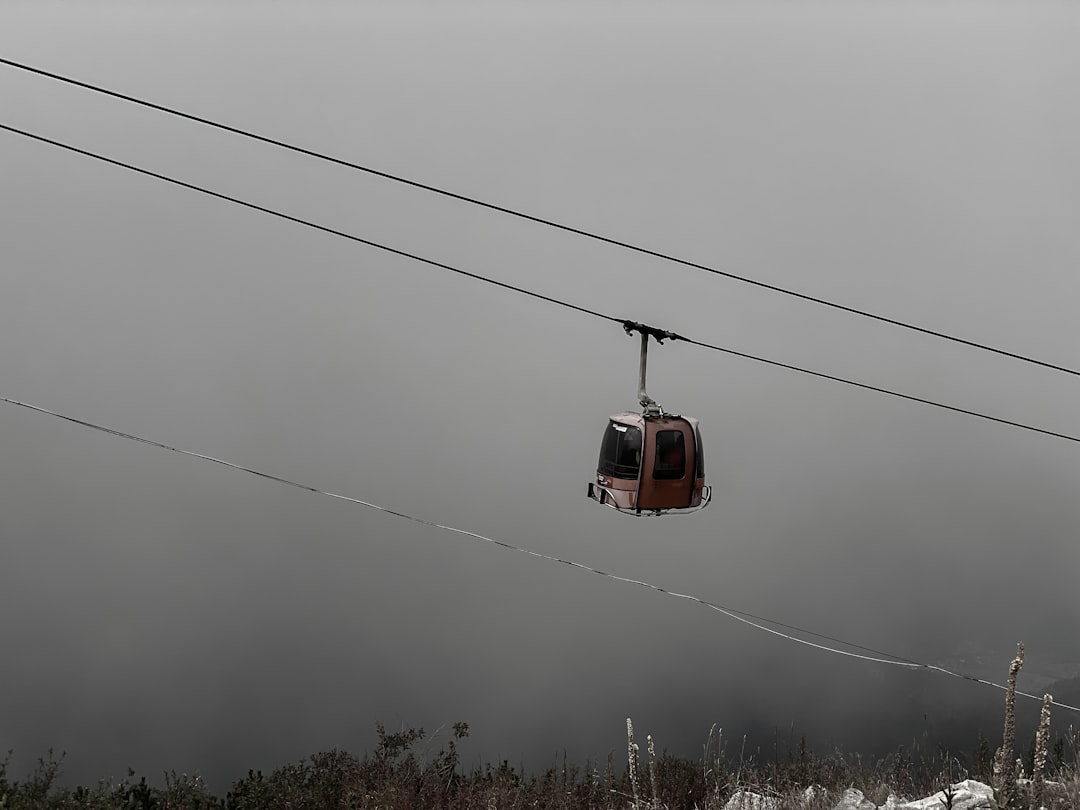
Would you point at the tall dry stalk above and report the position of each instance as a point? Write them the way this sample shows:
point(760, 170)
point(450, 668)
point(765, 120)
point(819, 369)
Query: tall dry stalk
point(1005, 770)
point(631, 755)
point(652, 773)
point(1042, 738)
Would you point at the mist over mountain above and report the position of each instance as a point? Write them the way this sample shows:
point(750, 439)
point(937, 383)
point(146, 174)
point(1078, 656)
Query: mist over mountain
point(913, 160)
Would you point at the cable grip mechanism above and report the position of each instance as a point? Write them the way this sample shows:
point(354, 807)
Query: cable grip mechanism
point(651, 331)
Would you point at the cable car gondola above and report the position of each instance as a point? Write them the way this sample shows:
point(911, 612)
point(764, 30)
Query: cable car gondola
point(651, 463)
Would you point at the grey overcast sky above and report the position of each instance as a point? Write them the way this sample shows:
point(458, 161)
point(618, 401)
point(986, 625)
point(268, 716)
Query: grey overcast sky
point(915, 159)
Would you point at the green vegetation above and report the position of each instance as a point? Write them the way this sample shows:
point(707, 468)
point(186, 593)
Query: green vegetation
point(395, 776)
point(398, 775)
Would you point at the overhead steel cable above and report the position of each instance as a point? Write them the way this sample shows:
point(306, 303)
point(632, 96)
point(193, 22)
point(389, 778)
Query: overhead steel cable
point(305, 222)
point(756, 622)
point(867, 387)
point(522, 290)
point(535, 219)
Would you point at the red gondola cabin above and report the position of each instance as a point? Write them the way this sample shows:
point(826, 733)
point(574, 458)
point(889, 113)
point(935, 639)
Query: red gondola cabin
point(651, 463)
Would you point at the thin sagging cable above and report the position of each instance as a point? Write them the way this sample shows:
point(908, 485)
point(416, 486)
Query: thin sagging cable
point(878, 657)
point(531, 293)
point(535, 219)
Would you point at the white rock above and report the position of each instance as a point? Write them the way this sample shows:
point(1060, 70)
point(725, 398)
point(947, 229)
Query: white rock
point(854, 800)
point(748, 800)
point(967, 795)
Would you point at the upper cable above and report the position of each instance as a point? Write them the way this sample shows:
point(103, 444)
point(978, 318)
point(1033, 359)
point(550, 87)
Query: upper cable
point(628, 325)
point(537, 219)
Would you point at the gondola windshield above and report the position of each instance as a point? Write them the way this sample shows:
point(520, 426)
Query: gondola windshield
point(620, 454)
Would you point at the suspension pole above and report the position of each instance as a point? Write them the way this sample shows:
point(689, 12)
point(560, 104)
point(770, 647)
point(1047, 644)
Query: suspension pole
point(647, 403)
